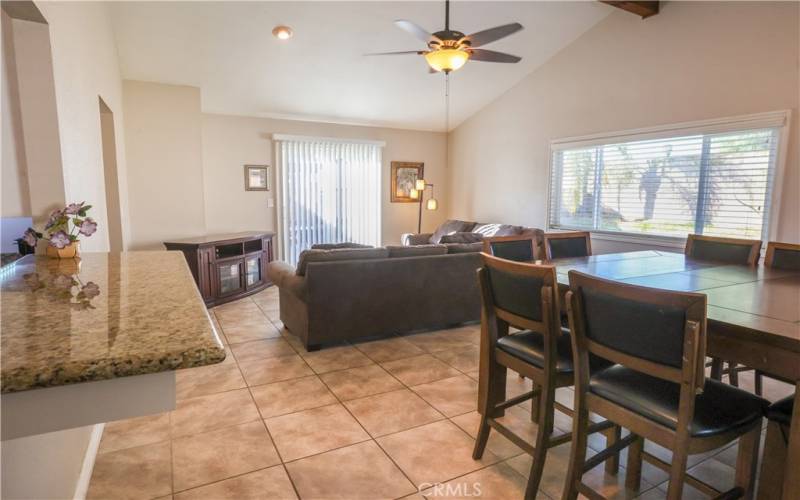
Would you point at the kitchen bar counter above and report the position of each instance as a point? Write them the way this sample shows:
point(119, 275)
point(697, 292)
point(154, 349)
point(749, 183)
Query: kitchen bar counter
point(147, 317)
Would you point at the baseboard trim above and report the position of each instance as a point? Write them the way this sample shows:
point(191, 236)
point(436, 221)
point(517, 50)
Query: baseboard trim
point(82, 487)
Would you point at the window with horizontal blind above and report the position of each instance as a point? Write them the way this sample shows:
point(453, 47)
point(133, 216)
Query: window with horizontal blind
point(710, 179)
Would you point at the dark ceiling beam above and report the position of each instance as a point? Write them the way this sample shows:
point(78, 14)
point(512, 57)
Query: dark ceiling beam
point(24, 10)
point(644, 9)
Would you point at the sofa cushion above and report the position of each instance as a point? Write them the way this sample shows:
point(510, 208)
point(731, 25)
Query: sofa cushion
point(336, 246)
point(317, 255)
point(450, 227)
point(464, 247)
point(416, 251)
point(489, 230)
point(462, 238)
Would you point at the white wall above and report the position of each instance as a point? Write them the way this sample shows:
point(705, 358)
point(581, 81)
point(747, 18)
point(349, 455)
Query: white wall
point(44, 466)
point(186, 169)
point(15, 195)
point(85, 67)
point(230, 142)
point(693, 61)
point(164, 155)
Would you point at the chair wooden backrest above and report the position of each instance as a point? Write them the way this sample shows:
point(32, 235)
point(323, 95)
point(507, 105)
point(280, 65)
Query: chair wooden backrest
point(728, 250)
point(517, 248)
point(653, 331)
point(782, 256)
point(519, 294)
point(569, 244)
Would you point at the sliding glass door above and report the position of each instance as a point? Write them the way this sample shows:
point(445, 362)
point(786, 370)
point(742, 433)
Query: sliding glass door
point(330, 192)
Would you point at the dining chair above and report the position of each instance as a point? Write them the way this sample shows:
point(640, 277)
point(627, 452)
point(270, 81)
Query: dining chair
point(569, 244)
point(730, 251)
point(782, 256)
point(516, 248)
point(773, 465)
point(657, 387)
point(727, 250)
point(523, 295)
point(778, 256)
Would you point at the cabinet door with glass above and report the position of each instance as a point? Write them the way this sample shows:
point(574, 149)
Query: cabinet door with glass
point(253, 271)
point(229, 277)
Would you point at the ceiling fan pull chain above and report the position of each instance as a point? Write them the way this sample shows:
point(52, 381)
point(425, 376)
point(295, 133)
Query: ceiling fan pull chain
point(446, 103)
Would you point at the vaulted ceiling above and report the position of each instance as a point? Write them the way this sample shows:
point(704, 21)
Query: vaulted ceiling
point(227, 50)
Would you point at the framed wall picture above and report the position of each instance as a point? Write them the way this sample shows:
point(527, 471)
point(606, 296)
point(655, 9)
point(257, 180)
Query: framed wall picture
point(256, 177)
point(404, 176)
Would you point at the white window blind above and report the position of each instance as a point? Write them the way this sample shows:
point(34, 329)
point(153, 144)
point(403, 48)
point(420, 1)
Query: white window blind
point(680, 182)
point(330, 192)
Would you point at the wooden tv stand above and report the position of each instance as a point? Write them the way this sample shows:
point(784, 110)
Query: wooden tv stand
point(227, 267)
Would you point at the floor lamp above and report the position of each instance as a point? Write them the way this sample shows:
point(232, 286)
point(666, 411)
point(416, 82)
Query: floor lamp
point(419, 193)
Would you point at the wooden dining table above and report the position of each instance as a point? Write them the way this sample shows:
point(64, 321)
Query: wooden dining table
point(753, 317)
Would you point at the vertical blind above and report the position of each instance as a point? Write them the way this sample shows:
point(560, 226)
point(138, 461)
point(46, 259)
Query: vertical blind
point(330, 193)
point(717, 184)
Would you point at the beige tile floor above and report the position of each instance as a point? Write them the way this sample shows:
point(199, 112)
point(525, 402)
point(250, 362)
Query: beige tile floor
point(388, 418)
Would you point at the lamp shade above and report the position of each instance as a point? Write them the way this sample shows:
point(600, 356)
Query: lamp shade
point(432, 204)
point(414, 194)
point(420, 185)
point(446, 59)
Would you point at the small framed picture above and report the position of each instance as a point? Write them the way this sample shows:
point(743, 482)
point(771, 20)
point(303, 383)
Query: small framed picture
point(256, 177)
point(404, 177)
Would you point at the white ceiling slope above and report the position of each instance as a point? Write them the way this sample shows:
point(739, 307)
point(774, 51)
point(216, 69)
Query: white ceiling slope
point(226, 49)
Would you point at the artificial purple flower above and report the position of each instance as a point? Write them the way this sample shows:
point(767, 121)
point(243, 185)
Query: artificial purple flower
point(74, 208)
point(55, 218)
point(59, 239)
point(30, 237)
point(88, 227)
point(90, 290)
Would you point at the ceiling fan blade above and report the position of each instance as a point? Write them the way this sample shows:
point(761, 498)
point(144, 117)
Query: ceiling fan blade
point(493, 56)
point(399, 53)
point(493, 34)
point(415, 30)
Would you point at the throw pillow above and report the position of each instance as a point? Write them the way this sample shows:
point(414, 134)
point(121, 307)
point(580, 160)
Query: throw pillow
point(336, 246)
point(462, 238)
point(416, 251)
point(464, 247)
point(318, 255)
point(450, 227)
point(491, 230)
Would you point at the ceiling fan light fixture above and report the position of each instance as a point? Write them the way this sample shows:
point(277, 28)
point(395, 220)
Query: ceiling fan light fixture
point(447, 60)
point(282, 32)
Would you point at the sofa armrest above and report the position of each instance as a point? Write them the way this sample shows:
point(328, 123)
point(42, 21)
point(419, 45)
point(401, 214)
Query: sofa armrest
point(284, 277)
point(278, 271)
point(411, 239)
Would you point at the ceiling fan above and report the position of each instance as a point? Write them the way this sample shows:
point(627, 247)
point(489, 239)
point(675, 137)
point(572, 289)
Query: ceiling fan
point(448, 50)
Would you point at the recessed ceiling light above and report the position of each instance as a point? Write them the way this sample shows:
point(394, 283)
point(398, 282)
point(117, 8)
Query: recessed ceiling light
point(282, 32)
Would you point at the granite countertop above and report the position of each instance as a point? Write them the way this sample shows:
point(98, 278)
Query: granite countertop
point(148, 317)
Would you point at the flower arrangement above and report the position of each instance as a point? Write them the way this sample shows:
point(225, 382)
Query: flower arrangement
point(64, 287)
point(62, 228)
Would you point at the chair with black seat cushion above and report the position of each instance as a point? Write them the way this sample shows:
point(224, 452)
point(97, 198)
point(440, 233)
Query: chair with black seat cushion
point(656, 387)
point(724, 250)
point(566, 245)
point(516, 248)
point(773, 465)
point(524, 296)
point(778, 256)
point(782, 256)
point(729, 251)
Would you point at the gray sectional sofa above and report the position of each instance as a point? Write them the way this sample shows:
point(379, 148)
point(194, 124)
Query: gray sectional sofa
point(453, 228)
point(346, 291)
point(341, 294)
